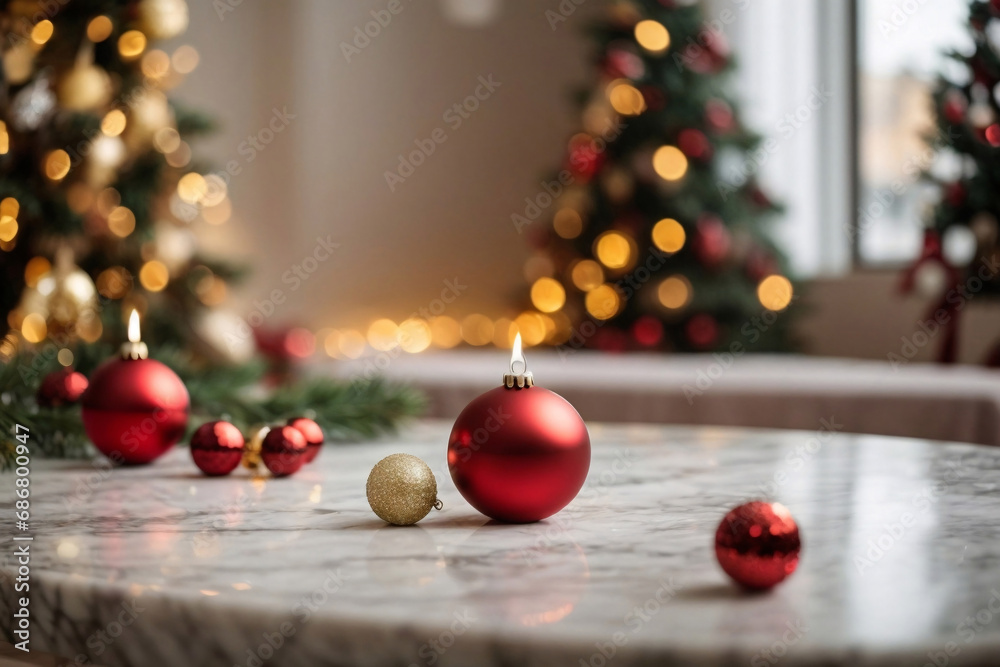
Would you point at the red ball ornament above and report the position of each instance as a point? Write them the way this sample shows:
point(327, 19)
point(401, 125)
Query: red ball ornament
point(694, 143)
point(135, 408)
point(62, 387)
point(313, 434)
point(283, 450)
point(519, 453)
point(217, 448)
point(719, 115)
point(757, 544)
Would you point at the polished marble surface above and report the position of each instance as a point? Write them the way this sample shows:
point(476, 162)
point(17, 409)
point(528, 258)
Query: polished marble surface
point(160, 566)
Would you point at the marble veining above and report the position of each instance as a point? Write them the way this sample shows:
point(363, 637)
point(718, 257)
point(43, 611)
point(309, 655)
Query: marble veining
point(161, 566)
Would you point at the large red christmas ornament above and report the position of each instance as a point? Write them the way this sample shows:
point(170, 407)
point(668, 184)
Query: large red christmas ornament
point(313, 434)
point(135, 408)
point(519, 453)
point(283, 450)
point(62, 387)
point(217, 448)
point(757, 544)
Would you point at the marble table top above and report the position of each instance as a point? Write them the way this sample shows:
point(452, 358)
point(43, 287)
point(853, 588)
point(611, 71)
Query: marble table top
point(161, 566)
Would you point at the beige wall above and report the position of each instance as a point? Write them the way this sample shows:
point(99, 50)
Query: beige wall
point(324, 175)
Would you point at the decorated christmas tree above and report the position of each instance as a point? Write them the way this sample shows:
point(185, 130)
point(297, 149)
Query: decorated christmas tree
point(650, 243)
point(968, 121)
point(101, 200)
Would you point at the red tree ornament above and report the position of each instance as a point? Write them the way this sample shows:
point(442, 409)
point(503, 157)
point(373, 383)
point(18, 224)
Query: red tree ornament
point(62, 387)
point(217, 448)
point(284, 450)
point(519, 453)
point(757, 544)
point(135, 408)
point(313, 434)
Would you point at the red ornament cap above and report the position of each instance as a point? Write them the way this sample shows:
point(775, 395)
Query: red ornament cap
point(217, 448)
point(757, 544)
point(283, 450)
point(312, 432)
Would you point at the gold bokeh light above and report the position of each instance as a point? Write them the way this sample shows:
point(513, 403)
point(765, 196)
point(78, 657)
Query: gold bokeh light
point(57, 164)
point(603, 302)
point(414, 335)
point(674, 292)
point(626, 98)
point(383, 334)
point(42, 32)
point(567, 223)
point(669, 235)
point(131, 44)
point(670, 163)
point(154, 275)
point(121, 221)
point(587, 274)
point(99, 29)
point(652, 36)
point(775, 292)
point(613, 249)
point(548, 295)
point(477, 329)
point(445, 331)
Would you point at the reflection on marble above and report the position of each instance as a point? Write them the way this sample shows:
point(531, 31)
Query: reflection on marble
point(160, 566)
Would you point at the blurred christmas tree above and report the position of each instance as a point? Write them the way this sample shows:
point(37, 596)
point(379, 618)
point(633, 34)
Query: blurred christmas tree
point(968, 118)
point(96, 171)
point(650, 246)
point(99, 200)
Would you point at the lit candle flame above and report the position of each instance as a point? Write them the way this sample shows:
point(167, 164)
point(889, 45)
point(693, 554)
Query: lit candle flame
point(133, 327)
point(517, 363)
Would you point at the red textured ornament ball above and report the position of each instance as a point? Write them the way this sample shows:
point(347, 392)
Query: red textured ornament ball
point(313, 434)
point(519, 455)
point(134, 410)
point(62, 387)
point(758, 545)
point(217, 448)
point(284, 450)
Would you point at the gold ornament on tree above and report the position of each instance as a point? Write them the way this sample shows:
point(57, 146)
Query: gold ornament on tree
point(402, 490)
point(163, 19)
point(86, 86)
point(63, 303)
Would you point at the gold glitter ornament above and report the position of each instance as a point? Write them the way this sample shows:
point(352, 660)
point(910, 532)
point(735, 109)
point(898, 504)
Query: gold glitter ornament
point(402, 490)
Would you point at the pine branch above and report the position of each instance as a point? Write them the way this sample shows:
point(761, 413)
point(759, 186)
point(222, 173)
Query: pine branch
point(353, 410)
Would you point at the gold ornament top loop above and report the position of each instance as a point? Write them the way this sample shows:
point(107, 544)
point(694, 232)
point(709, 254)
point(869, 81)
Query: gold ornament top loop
point(437, 504)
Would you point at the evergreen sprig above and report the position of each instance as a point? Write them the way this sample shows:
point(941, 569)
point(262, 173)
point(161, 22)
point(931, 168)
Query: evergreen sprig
point(346, 410)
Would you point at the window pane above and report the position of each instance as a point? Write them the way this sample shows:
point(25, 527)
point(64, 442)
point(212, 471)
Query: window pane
point(900, 54)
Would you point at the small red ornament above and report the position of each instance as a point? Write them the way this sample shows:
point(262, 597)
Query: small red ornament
point(647, 331)
point(712, 241)
point(313, 434)
point(757, 544)
point(62, 387)
point(584, 159)
point(217, 448)
point(135, 408)
point(519, 453)
point(283, 450)
point(719, 115)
